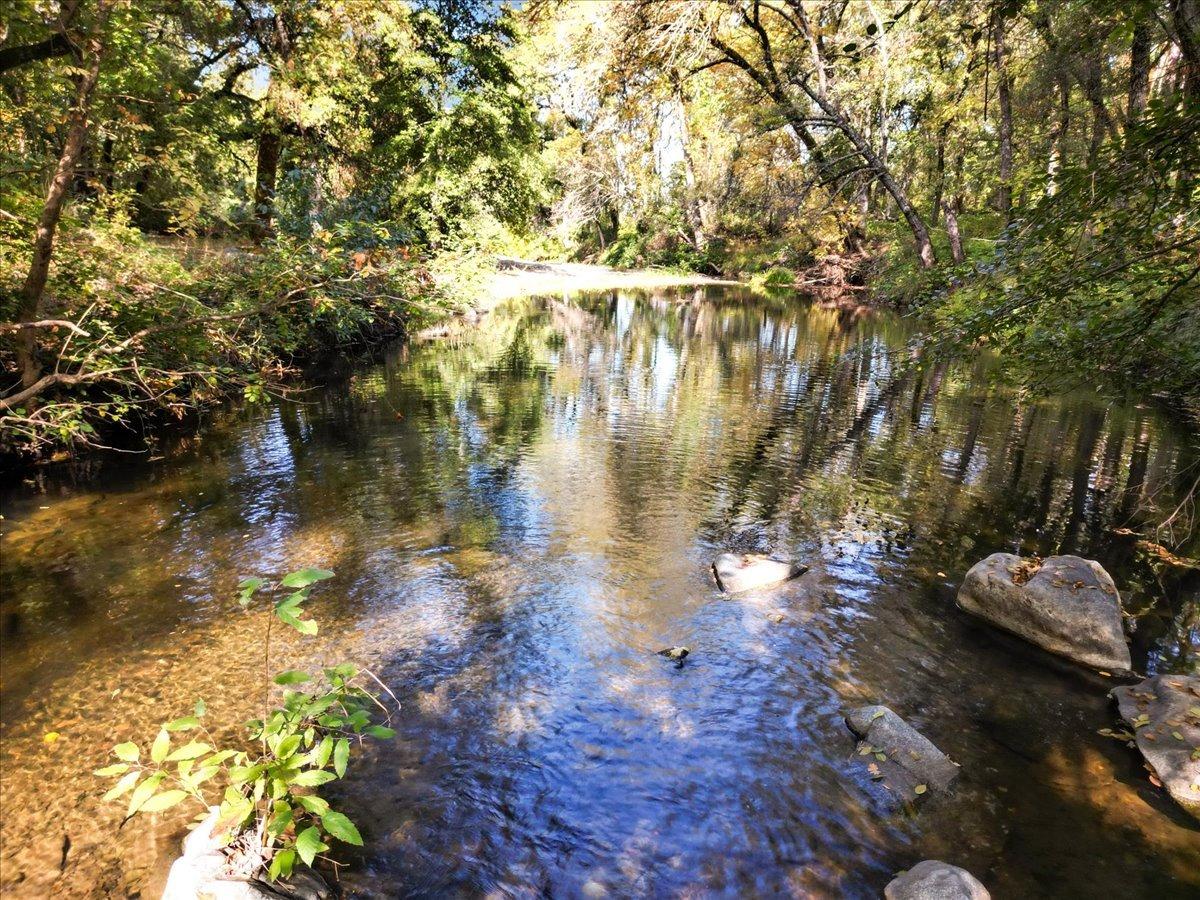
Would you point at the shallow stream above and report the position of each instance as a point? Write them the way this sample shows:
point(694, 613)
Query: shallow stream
point(521, 514)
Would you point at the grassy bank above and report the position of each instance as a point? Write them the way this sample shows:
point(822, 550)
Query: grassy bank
point(158, 330)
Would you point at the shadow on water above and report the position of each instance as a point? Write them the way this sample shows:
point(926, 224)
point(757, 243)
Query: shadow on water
point(520, 516)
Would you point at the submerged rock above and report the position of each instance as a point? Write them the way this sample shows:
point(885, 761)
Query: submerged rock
point(206, 872)
point(1165, 714)
point(678, 654)
point(737, 572)
point(933, 879)
point(1067, 605)
point(908, 761)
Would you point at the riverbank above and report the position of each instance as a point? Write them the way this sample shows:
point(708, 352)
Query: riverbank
point(161, 333)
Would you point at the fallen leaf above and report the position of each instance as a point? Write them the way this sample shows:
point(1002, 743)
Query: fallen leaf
point(51, 736)
point(920, 789)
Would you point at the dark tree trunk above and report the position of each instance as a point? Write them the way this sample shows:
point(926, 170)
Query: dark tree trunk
point(34, 288)
point(939, 177)
point(108, 172)
point(1139, 72)
point(1004, 99)
point(266, 173)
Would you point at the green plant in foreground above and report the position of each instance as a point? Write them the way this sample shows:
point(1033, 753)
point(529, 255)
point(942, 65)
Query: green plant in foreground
point(269, 809)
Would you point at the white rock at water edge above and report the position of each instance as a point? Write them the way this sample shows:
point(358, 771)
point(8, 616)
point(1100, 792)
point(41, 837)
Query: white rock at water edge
point(1066, 605)
point(933, 879)
point(737, 572)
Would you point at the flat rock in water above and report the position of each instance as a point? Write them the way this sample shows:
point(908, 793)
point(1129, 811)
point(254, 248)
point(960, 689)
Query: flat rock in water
point(1164, 712)
point(1067, 605)
point(935, 880)
point(737, 572)
point(908, 762)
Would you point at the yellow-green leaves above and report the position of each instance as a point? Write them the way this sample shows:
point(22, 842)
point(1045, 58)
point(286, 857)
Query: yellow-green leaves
point(127, 751)
point(165, 800)
point(144, 792)
point(122, 786)
point(189, 751)
point(162, 743)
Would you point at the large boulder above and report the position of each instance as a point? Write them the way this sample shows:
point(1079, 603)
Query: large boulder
point(935, 880)
point(1164, 712)
point(1065, 604)
point(737, 572)
point(907, 761)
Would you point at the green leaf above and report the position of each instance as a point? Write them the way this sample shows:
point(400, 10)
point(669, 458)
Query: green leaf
point(242, 774)
point(292, 676)
point(247, 588)
point(189, 751)
point(341, 828)
point(114, 769)
point(315, 805)
point(321, 753)
point(305, 626)
point(123, 785)
point(291, 602)
point(128, 751)
point(282, 864)
point(187, 723)
point(313, 778)
point(162, 743)
point(144, 792)
point(308, 844)
point(304, 577)
point(381, 732)
point(165, 800)
point(341, 756)
point(287, 747)
point(201, 708)
point(281, 818)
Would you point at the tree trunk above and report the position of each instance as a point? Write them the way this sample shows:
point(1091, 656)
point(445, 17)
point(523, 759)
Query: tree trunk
point(692, 206)
point(34, 288)
point(1058, 139)
point(915, 223)
point(1004, 99)
point(1139, 72)
point(939, 178)
point(956, 245)
point(266, 171)
point(1185, 15)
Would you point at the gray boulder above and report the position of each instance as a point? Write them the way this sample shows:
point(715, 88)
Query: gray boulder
point(935, 880)
point(1067, 605)
point(1164, 712)
point(737, 572)
point(905, 759)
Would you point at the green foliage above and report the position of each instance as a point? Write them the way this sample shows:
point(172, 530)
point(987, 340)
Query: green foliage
point(1100, 280)
point(267, 785)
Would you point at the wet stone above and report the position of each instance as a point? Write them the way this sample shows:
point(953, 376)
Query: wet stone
point(1066, 605)
point(738, 572)
point(908, 762)
point(1164, 712)
point(933, 879)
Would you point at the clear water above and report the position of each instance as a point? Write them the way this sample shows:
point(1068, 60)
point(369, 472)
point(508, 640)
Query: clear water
point(521, 515)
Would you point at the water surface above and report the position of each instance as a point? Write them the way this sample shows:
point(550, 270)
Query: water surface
point(521, 515)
